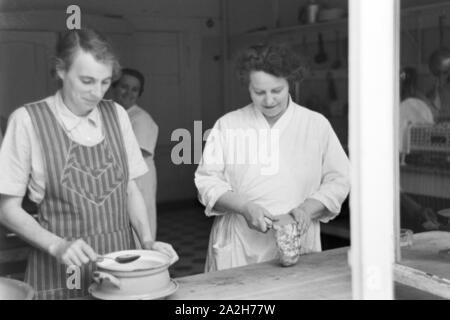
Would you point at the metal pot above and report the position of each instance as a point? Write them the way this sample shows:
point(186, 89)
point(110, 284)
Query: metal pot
point(11, 289)
point(145, 278)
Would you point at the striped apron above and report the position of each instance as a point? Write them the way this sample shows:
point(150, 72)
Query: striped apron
point(85, 197)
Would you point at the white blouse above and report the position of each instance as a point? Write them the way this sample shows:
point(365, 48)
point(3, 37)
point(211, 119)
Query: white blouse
point(21, 159)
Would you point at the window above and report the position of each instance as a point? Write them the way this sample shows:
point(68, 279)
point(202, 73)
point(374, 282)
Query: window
point(424, 148)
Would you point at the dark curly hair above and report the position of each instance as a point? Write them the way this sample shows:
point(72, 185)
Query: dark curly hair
point(278, 60)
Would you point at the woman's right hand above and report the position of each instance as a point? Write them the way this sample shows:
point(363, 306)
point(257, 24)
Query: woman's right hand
point(76, 252)
point(257, 217)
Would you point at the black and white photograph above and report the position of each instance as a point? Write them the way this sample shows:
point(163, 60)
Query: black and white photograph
point(225, 154)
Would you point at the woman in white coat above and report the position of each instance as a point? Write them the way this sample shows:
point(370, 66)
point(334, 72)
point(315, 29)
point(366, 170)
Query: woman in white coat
point(269, 158)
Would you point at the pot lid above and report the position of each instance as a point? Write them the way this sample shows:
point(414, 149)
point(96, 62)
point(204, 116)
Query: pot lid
point(149, 259)
point(11, 289)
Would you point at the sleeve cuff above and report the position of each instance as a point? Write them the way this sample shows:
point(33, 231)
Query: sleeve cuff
point(12, 189)
point(212, 197)
point(331, 209)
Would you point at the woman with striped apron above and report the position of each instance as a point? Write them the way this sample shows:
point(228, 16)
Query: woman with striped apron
point(87, 198)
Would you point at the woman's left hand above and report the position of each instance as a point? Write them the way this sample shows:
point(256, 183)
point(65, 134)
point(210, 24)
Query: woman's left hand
point(303, 219)
point(162, 247)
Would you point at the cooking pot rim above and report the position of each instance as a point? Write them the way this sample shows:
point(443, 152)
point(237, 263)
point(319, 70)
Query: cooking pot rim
point(134, 273)
point(121, 269)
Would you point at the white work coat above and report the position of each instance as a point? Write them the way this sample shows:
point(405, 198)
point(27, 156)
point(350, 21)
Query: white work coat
point(300, 157)
point(146, 131)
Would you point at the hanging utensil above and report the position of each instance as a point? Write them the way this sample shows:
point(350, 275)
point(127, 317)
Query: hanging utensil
point(334, 106)
point(304, 48)
point(302, 15)
point(332, 93)
point(321, 56)
point(337, 63)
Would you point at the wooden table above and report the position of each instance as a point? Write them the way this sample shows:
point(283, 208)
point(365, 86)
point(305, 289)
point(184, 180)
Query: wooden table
point(324, 275)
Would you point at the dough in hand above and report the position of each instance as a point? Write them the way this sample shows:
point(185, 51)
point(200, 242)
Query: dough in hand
point(288, 243)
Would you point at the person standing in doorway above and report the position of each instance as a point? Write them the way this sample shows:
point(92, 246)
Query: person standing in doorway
point(126, 92)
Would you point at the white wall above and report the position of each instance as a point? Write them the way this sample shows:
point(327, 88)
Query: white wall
point(200, 57)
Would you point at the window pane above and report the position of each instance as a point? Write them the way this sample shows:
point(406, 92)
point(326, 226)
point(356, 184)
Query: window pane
point(424, 142)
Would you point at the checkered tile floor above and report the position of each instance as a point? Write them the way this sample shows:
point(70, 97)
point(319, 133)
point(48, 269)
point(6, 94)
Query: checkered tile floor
point(187, 230)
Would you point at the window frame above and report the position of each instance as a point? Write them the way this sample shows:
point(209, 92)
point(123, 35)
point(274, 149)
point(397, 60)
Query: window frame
point(373, 97)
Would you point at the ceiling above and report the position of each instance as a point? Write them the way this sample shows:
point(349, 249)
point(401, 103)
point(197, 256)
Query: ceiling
point(157, 8)
point(152, 8)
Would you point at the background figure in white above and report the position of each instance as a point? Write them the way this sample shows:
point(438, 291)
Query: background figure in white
point(415, 108)
point(269, 158)
point(126, 91)
point(439, 65)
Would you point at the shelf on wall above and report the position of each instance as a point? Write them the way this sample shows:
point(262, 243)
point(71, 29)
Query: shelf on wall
point(328, 29)
point(427, 14)
point(302, 27)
